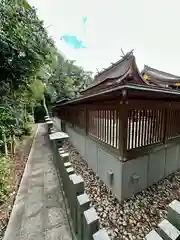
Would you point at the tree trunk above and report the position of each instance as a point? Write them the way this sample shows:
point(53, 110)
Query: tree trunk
point(5, 144)
point(13, 144)
point(32, 110)
point(45, 107)
point(25, 113)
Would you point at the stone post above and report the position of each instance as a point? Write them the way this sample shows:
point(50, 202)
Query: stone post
point(102, 234)
point(174, 213)
point(91, 223)
point(67, 169)
point(76, 188)
point(153, 235)
point(63, 158)
point(83, 203)
point(46, 118)
point(50, 125)
point(167, 231)
point(66, 180)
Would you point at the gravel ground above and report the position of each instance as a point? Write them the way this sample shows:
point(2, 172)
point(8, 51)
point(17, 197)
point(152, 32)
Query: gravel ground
point(133, 218)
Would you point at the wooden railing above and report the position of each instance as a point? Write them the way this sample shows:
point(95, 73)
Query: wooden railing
point(134, 124)
point(104, 126)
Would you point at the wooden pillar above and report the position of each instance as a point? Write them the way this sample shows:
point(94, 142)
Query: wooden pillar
point(166, 123)
point(86, 120)
point(123, 123)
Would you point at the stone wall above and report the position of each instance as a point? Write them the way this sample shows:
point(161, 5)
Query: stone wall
point(84, 218)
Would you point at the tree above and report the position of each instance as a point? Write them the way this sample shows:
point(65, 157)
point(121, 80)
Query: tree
point(66, 79)
point(25, 45)
point(32, 69)
point(37, 89)
point(25, 49)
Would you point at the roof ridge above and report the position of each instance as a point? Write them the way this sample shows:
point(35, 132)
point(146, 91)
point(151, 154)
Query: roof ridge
point(160, 71)
point(128, 54)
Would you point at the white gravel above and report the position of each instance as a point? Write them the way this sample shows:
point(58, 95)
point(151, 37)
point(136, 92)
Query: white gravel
point(133, 218)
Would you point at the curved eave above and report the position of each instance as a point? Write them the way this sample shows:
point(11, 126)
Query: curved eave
point(143, 92)
point(136, 72)
point(131, 74)
point(160, 76)
point(109, 72)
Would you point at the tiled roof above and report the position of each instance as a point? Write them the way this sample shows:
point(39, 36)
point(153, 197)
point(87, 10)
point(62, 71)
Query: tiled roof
point(159, 75)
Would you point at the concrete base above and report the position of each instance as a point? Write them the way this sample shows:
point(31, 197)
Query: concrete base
point(126, 178)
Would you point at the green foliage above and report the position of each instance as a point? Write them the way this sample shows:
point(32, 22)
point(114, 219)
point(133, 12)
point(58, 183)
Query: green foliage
point(65, 79)
point(39, 113)
point(30, 119)
point(37, 89)
point(26, 130)
point(33, 72)
point(4, 176)
point(24, 44)
point(25, 50)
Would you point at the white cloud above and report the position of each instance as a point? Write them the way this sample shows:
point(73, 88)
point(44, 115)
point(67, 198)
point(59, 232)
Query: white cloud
point(149, 27)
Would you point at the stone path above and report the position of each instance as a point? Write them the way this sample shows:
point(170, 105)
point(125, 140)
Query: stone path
point(39, 210)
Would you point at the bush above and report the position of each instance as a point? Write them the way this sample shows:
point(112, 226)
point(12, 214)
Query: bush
point(39, 113)
point(4, 176)
point(30, 118)
point(18, 133)
point(26, 130)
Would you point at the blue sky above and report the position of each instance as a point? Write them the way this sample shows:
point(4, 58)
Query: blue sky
point(150, 27)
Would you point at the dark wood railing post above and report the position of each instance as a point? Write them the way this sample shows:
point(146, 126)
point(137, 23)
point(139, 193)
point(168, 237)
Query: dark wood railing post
point(86, 120)
point(123, 119)
point(166, 123)
point(123, 123)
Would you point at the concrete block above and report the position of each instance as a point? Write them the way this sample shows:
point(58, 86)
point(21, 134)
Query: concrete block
point(102, 235)
point(61, 159)
point(70, 170)
point(47, 119)
point(107, 163)
point(91, 223)
point(78, 184)
point(134, 176)
point(66, 180)
point(67, 164)
point(50, 125)
point(61, 150)
point(78, 139)
point(50, 122)
point(156, 166)
point(64, 157)
point(55, 153)
point(83, 201)
point(172, 157)
point(167, 231)
point(91, 153)
point(153, 235)
point(76, 188)
point(63, 170)
point(58, 135)
point(174, 213)
point(83, 204)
